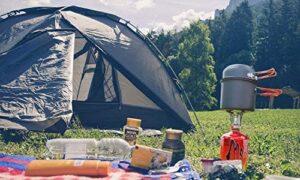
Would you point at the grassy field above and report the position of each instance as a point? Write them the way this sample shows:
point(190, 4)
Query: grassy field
point(274, 141)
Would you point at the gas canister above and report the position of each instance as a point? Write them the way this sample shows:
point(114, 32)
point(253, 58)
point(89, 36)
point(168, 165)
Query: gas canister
point(234, 146)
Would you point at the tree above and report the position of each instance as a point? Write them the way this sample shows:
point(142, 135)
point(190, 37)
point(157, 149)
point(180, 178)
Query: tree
point(237, 40)
point(163, 40)
point(167, 43)
point(290, 44)
point(232, 38)
point(269, 40)
point(197, 65)
point(217, 27)
point(278, 44)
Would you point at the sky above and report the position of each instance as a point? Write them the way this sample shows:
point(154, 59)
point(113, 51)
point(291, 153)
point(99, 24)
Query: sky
point(145, 14)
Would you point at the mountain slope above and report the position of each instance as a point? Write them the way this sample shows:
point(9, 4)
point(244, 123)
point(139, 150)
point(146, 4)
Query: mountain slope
point(256, 5)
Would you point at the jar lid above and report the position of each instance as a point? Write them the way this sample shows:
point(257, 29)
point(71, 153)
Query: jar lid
point(132, 122)
point(173, 134)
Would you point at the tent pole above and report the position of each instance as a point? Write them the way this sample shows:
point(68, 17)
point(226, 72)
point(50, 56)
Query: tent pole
point(194, 112)
point(163, 58)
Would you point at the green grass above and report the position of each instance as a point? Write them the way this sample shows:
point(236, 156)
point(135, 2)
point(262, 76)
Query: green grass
point(274, 141)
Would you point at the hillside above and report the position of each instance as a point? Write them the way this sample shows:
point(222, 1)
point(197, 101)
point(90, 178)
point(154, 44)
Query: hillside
point(256, 5)
point(233, 4)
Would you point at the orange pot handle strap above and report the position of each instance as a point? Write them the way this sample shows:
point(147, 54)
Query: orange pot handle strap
point(266, 74)
point(269, 92)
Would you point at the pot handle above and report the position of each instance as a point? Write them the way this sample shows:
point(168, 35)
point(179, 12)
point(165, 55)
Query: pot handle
point(266, 74)
point(269, 92)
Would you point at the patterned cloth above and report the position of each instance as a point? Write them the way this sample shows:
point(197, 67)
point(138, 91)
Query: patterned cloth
point(14, 166)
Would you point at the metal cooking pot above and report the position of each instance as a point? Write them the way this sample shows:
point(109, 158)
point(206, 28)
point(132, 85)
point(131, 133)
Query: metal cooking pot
point(239, 87)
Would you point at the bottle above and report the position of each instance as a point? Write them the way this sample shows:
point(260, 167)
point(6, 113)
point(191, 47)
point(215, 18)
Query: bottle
point(234, 144)
point(110, 149)
point(131, 130)
point(174, 144)
point(63, 148)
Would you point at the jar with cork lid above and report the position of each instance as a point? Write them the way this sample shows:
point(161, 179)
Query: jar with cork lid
point(174, 144)
point(132, 129)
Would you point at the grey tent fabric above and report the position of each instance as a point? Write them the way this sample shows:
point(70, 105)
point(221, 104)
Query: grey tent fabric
point(15, 30)
point(36, 82)
point(113, 70)
point(128, 50)
point(79, 64)
point(131, 95)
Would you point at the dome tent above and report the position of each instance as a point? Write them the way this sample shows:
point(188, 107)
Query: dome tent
point(55, 62)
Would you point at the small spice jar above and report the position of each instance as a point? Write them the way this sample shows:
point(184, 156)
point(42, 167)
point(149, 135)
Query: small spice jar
point(131, 130)
point(174, 144)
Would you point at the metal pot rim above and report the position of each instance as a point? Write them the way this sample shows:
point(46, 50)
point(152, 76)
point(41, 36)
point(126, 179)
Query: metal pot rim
point(254, 81)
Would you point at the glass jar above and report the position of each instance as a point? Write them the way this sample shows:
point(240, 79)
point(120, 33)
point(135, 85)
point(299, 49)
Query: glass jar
point(131, 130)
point(174, 144)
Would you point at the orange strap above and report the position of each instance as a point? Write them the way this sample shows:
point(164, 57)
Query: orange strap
point(269, 92)
point(266, 74)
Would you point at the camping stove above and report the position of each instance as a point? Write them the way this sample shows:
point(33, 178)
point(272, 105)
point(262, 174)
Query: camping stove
point(234, 144)
point(238, 94)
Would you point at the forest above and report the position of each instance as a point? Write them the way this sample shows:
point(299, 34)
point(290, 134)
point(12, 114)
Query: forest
point(262, 36)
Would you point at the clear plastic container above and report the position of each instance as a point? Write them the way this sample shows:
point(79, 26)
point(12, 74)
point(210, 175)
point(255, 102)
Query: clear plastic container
point(72, 148)
point(110, 149)
point(107, 149)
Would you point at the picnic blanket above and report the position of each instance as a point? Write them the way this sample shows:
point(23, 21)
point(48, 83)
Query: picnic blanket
point(14, 166)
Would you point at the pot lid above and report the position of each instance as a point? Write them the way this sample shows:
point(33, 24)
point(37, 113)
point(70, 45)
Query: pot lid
point(239, 70)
